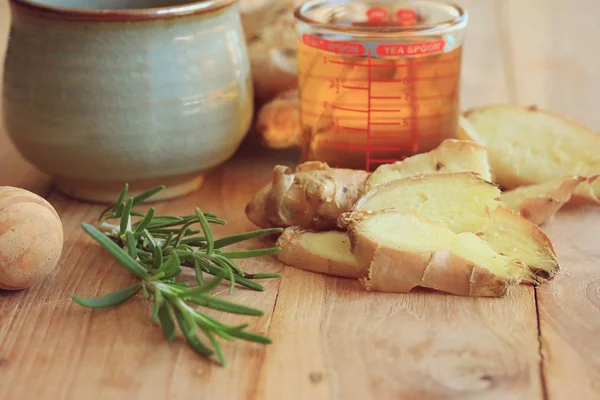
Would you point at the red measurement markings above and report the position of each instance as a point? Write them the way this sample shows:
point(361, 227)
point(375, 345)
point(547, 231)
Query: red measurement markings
point(386, 148)
point(368, 150)
point(336, 107)
point(386, 123)
point(354, 87)
point(391, 65)
point(433, 46)
point(332, 46)
point(326, 103)
point(407, 96)
point(351, 129)
point(400, 80)
point(408, 81)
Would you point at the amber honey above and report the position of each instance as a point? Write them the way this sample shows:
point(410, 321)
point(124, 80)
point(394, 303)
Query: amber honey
point(364, 106)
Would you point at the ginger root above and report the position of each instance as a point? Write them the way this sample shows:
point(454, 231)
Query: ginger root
point(278, 122)
point(311, 198)
point(316, 195)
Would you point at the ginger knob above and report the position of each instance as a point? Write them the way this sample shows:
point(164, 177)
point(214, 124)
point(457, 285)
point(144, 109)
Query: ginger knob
point(31, 238)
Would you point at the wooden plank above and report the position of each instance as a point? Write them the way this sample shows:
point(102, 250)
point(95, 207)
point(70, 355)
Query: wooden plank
point(14, 170)
point(332, 340)
point(569, 308)
point(50, 345)
point(555, 66)
point(421, 345)
point(389, 346)
point(485, 72)
point(552, 50)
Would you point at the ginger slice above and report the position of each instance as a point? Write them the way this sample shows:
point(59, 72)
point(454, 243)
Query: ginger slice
point(520, 239)
point(459, 201)
point(588, 191)
point(325, 252)
point(539, 203)
point(465, 203)
point(313, 197)
point(451, 156)
point(528, 146)
point(402, 251)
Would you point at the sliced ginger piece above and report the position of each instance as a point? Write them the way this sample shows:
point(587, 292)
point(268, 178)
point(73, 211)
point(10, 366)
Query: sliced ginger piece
point(539, 203)
point(459, 201)
point(588, 191)
point(402, 251)
point(528, 146)
point(451, 156)
point(520, 239)
point(325, 252)
point(465, 203)
point(313, 197)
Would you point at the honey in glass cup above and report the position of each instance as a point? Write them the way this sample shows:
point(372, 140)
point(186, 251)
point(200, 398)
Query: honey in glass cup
point(378, 80)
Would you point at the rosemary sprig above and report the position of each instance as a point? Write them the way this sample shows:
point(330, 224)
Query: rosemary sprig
point(155, 248)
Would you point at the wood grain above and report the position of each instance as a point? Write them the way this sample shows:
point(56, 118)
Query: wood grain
point(331, 339)
point(553, 55)
point(554, 62)
point(569, 307)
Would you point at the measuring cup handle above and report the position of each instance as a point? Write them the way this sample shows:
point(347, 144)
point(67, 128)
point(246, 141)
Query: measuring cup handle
point(278, 122)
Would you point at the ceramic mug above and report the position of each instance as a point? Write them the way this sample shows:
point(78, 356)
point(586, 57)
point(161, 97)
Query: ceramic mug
point(102, 92)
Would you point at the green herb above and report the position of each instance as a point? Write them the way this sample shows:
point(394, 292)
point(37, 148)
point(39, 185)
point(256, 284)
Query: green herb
point(155, 248)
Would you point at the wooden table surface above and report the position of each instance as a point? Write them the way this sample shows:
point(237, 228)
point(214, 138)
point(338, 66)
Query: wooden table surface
point(331, 339)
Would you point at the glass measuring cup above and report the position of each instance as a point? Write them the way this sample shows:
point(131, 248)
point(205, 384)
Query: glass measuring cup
point(378, 80)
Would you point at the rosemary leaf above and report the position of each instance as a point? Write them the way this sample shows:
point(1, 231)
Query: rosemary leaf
point(140, 226)
point(188, 328)
point(131, 244)
point(146, 195)
point(126, 217)
point(158, 301)
point(216, 303)
point(245, 236)
point(116, 251)
point(263, 276)
point(199, 273)
point(158, 257)
point(118, 208)
point(111, 299)
point(171, 267)
point(216, 345)
point(210, 243)
point(166, 322)
point(251, 253)
point(251, 337)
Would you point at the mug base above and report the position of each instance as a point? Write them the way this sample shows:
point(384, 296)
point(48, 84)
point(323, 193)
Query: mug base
point(108, 192)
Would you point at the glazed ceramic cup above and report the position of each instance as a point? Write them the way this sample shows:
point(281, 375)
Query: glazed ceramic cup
point(102, 92)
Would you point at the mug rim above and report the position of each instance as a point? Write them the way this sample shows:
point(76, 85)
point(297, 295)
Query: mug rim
point(134, 14)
